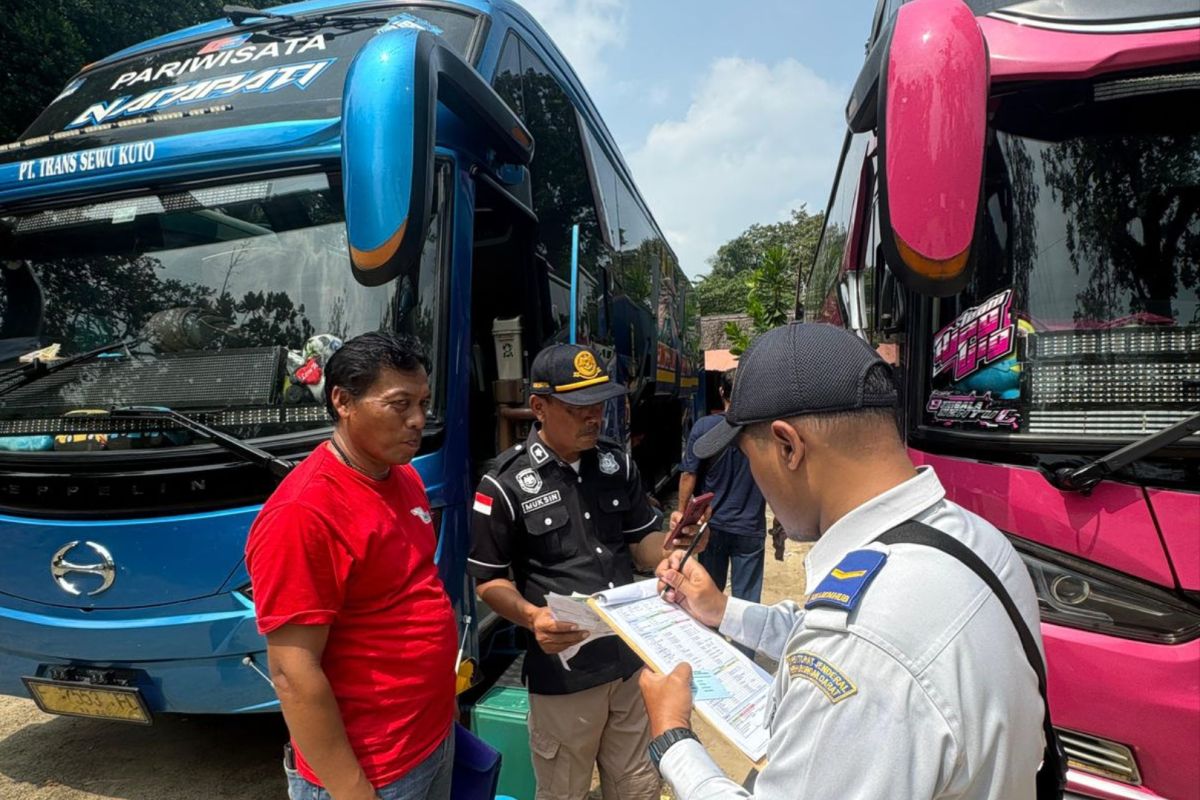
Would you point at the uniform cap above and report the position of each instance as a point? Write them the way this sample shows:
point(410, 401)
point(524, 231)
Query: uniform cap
point(573, 374)
point(793, 370)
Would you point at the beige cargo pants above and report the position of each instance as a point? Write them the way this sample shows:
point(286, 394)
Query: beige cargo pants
point(605, 726)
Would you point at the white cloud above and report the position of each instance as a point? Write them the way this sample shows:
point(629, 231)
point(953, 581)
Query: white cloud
point(756, 141)
point(583, 30)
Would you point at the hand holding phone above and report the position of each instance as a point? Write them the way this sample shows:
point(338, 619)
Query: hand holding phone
point(694, 512)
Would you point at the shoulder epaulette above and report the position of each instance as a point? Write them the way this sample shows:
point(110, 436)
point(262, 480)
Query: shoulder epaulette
point(505, 459)
point(608, 441)
point(844, 585)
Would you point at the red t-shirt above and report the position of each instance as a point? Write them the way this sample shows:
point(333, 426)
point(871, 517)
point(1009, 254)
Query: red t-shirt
point(334, 547)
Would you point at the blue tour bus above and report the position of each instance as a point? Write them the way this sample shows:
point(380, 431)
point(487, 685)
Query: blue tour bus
point(191, 227)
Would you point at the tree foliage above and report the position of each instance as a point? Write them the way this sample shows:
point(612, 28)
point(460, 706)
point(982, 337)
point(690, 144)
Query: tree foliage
point(771, 292)
point(1133, 228)
point(724, 291)
point(46, 42)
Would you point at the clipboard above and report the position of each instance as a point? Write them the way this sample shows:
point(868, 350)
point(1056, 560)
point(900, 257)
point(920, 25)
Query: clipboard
point(702, 708)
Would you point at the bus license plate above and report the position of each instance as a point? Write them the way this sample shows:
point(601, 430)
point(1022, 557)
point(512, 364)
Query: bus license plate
point(74, 699)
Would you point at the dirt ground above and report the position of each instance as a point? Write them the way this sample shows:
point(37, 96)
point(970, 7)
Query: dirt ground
point(45, 757)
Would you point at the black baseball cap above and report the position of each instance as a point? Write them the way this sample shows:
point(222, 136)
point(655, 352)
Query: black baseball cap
point(574, 374)
point(797, 369)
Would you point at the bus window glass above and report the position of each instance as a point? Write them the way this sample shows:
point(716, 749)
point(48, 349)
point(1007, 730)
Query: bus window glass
point(562, 196)
point(820, 302)
point(638, 247)
point(604, 179)
point(1083, 313)
point(507, 82)
point(668, 330)
point(208, 286)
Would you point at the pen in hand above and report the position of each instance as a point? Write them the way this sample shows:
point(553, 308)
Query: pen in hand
point(686, 555)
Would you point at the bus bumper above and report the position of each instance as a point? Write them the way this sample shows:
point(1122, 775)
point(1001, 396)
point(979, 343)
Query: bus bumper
point(196, 657)
point(1142, 696)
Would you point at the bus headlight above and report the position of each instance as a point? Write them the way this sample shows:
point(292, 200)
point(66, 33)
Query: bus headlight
point(1079, 594)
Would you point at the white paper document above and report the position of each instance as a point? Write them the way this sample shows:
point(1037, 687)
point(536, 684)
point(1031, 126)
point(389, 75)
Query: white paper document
point(575, 609)
point(666, 635)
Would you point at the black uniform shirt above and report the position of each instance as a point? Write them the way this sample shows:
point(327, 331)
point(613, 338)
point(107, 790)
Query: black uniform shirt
point(562, 531)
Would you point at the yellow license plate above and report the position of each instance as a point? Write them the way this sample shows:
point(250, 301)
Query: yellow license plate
point(84, 700)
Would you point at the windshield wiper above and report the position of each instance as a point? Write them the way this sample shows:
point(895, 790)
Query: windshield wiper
point(38, 369)
point(242, 16)
point(278, 467)
point(1084, 479)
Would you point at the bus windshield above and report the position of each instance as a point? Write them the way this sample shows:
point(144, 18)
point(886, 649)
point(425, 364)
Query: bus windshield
point(291, 70)
point(1082, 317)
point(229, 298)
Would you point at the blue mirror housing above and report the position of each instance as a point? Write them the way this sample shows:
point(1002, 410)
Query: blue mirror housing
point(389, 121)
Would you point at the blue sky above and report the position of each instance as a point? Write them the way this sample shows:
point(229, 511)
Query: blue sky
point(729, 113)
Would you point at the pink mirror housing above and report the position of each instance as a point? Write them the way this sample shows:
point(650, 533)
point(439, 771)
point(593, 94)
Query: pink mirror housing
point(932, 124)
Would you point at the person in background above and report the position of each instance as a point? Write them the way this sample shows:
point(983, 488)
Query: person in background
point(903, 673)
point(565, 512)
point(737, 527)
point(361, 637)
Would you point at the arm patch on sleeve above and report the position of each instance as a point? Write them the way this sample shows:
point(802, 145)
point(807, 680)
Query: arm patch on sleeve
point(825, 676)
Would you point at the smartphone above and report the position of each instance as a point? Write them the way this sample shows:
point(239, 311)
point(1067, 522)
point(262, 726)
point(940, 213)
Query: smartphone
point(691, 515)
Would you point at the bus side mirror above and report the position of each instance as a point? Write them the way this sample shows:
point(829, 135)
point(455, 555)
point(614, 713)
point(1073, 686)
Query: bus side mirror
point(932, 122)
point(389, 131)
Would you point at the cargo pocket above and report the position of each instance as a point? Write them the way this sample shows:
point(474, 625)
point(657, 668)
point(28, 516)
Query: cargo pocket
point(551, 766)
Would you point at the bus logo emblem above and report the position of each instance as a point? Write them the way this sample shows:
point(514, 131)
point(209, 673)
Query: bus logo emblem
point(60, 568)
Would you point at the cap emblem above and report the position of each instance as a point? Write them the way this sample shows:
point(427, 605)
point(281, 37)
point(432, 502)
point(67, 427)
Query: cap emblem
point(586, 366)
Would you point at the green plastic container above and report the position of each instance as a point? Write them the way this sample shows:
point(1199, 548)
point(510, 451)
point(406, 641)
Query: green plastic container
point(501, 719)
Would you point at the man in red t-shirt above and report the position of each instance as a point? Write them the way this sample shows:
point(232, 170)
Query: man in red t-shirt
point(361, 637)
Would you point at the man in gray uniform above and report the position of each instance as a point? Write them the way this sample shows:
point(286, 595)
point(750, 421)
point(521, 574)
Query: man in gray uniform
point(902, 676)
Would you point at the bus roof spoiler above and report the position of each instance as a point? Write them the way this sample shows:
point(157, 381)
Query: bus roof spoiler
point(389, 131)
point(930, 116)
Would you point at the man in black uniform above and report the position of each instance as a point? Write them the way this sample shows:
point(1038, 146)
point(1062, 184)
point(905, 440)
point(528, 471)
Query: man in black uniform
point(565, 512)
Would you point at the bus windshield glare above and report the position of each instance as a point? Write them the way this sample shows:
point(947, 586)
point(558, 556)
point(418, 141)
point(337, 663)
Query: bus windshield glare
point(1082, 317)
point(231, 297)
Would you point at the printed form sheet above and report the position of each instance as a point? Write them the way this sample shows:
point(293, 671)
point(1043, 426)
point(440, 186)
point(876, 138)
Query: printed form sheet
point(665, 635)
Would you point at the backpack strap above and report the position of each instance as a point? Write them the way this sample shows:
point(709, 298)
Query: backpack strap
point(1051, 777)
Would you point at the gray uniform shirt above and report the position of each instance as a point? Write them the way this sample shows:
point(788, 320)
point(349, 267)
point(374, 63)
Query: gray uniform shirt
point(920, 690)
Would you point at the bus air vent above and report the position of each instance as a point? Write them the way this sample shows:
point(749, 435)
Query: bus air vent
point(1099, 756)
point(1151, 84)
point(1120, 382)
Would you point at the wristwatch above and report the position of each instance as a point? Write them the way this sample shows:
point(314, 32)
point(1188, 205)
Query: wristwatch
point(661, 743)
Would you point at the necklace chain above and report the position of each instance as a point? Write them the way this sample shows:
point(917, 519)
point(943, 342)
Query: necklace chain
point(350, 463)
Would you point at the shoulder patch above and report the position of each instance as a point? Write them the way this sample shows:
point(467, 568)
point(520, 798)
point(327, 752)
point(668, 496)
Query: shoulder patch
point(608, 464)
point(844, 585)
point(825, 676)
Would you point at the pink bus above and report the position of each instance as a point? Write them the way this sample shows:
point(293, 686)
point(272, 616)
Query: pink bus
point(1015, 221)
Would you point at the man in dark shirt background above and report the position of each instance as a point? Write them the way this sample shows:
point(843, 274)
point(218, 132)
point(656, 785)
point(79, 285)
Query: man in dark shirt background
point(738, 526)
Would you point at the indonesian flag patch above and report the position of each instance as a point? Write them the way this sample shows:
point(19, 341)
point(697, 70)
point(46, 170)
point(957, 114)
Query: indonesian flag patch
point(483, 504)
